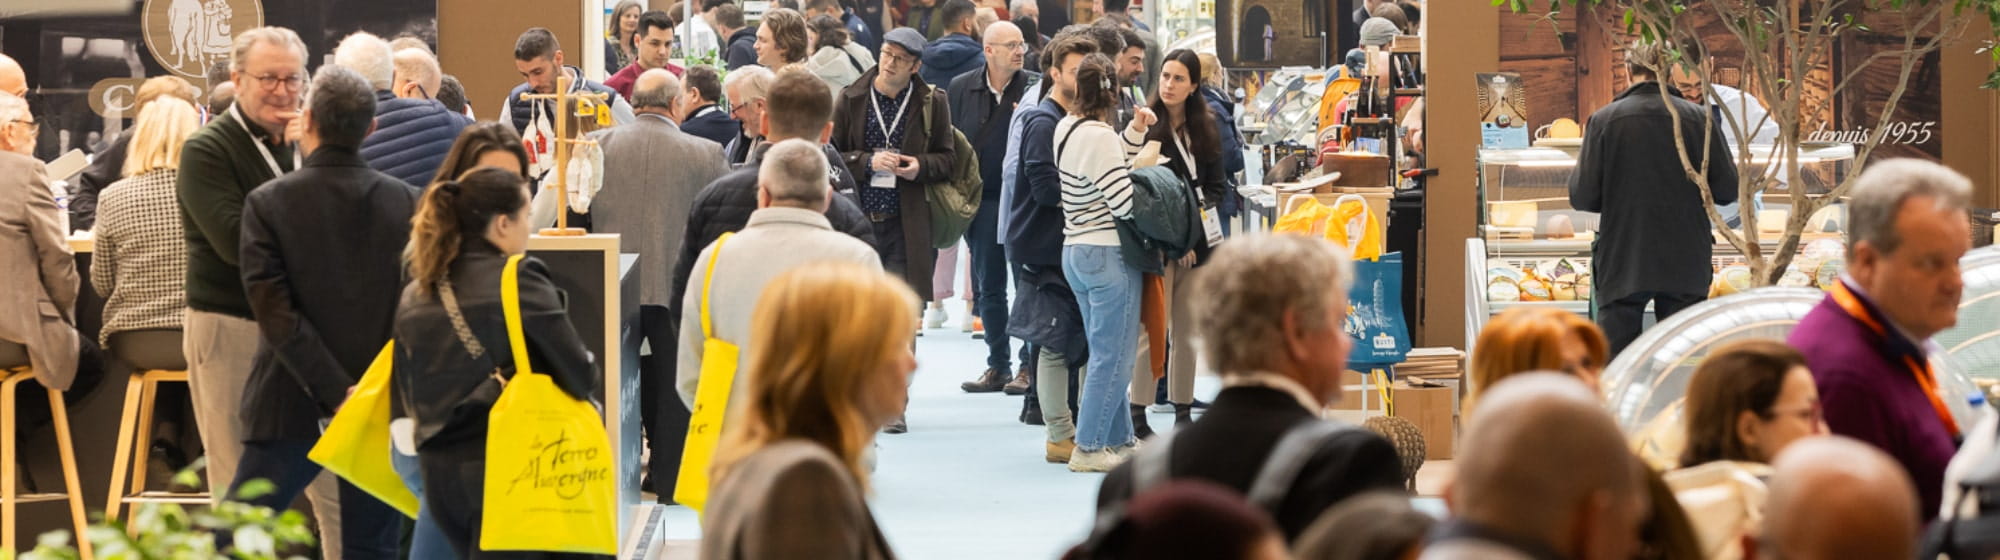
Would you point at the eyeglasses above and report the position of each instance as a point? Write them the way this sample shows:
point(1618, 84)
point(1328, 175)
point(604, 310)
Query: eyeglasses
point(1015, 46)
point(33, 127)
point(896, 58)
point(270, 82)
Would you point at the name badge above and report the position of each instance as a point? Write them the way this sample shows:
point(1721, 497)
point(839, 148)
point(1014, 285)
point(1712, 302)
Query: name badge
point(1212, 226)
point(882, 180)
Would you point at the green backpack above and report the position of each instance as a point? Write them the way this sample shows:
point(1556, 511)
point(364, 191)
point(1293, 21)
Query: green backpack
point(953, 202)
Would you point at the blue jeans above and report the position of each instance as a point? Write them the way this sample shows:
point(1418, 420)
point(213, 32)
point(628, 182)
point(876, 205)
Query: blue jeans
point(1108, 291)
point(427, 542)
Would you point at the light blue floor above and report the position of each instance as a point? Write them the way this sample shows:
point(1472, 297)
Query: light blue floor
point(968, 482)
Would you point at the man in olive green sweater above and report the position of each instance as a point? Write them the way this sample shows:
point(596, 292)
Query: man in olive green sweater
point(234, 153)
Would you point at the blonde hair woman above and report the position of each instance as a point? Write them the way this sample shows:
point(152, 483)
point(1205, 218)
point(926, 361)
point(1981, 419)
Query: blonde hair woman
point(141, 255)
point(829, 365)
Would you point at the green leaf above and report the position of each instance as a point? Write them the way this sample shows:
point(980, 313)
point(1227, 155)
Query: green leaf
point(1628, 18)
point(254, 489)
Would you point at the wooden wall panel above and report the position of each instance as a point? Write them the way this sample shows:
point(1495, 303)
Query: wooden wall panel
point(1550, 84)
point(476, 43)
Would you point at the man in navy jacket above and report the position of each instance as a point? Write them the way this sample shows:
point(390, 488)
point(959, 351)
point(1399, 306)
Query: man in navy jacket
point(984, 101)
point(957, 52)
point(413, 132)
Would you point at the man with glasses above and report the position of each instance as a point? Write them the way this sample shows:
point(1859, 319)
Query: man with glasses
point(699, 113)
point(746, 88)
point(243, 147)
point(893, 132)
point(983, 103)
point(654, 43)
point(412, 132)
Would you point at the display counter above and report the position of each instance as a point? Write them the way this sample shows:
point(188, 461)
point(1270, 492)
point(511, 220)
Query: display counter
point(602, 286)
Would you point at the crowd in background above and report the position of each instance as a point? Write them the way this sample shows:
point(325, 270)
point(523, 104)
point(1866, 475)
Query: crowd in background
point(776, 192)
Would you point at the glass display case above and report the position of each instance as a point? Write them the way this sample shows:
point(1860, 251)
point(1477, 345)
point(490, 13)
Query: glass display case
point(1287, 106)
point(1534, 249)
point(1646, 385)
point(1973, 344)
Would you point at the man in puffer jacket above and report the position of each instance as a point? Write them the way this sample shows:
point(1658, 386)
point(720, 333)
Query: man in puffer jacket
point(957, 52)
point(413, 132)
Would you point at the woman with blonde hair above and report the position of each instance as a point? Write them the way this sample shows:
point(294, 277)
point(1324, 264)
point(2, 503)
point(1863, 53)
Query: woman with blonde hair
point(1527, 339)
point(141, 255)
point(829, 365)
point(108, 166)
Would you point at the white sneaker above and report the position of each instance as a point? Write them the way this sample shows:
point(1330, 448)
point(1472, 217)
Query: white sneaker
point(1102, 460)
point(1162, 407)
point(934, 317)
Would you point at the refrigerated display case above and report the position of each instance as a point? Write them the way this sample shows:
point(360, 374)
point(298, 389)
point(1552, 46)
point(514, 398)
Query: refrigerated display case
point(1973, 345)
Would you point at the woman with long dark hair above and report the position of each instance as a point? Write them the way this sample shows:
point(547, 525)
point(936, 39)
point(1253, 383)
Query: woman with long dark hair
point(451, 338)
point(618, 33)
point(1192, 146)
point(1093, 159)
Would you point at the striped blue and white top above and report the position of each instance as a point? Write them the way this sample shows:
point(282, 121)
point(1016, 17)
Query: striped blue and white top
point(1096, 184)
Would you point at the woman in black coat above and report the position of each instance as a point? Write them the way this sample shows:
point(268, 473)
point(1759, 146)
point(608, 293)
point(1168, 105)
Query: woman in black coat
point(1192, 146)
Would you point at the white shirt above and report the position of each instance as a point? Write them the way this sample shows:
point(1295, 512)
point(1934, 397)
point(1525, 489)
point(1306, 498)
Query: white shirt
point(699, 38)
point(1737, 105)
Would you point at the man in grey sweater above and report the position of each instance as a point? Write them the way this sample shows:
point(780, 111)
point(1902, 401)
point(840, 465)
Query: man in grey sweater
point(789, 229)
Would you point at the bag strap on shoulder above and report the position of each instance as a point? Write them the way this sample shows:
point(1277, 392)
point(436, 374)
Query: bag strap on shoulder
point(708, 284)
point(1288, 458)
point(510, 306)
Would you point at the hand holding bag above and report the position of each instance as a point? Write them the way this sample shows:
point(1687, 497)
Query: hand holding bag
point(549, 478)
point(355, 445)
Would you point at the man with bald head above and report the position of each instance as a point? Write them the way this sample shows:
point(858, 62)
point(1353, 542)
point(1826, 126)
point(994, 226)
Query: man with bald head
point(13, 81)
point(413, 132)
point(982, 103)
point(1835, 497)
point(1543, 474)
point(652, 172)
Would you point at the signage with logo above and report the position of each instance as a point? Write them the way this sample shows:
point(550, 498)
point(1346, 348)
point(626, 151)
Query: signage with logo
point(188, 36)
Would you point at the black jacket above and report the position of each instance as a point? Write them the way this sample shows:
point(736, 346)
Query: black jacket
point(1035, 224)
point(1654, 234)
point(104, 169)
point(985, 120)
point(1227, 446)
point(726, 204)
point(742, 48)
point(446, 388)
point(1210, 181)
point(716, 125)
point(322, 264)
point(932, 146)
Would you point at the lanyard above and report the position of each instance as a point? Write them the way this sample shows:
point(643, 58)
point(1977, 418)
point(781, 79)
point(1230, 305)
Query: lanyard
point(875, 101)
point(261, 150)
point(1920, 369)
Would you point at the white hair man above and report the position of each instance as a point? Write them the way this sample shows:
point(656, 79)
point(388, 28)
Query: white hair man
point(746, 89)
point(413, 132)
point(36, 269)
point(1868, 343)
point(653, 170)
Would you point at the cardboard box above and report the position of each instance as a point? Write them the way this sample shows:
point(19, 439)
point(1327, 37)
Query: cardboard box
point(1357, 395)
point(1433, 410)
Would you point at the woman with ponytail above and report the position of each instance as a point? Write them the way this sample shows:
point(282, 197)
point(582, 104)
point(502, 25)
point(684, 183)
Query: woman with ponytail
point(451, 337)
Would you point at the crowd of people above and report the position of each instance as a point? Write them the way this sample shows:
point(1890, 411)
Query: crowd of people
point(776, 194)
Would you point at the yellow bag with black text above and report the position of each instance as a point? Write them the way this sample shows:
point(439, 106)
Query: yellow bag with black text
point(711, 400)
point(355, 445)
point(549, 477)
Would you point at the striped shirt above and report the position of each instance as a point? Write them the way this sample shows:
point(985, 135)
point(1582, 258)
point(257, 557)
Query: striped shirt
point(140, 260)
point(1096, 183)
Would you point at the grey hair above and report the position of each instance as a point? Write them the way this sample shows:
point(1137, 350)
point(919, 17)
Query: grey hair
point(754, 82)
point(369, 56)
point(239, 53)
point(660, 96)
point(342, 106)
point(1249, 285)
point(12, 107)
point(1881, 190)
point(418, 65)
point(1648, 57)
point(1022, 5)
point(794, 171)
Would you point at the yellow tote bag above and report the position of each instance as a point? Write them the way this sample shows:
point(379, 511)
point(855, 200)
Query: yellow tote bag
point(711, 400)
point(355, 445)
point(1348, 222)
point(549, 482)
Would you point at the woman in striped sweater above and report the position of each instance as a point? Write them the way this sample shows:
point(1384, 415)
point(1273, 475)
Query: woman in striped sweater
point(1096, 193)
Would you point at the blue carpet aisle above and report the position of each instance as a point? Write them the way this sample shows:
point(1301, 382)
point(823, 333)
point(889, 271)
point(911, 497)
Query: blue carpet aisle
point(968, 482)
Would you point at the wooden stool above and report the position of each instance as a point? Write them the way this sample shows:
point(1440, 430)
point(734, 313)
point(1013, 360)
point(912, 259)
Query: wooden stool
point(9, 478)
point(141, 391)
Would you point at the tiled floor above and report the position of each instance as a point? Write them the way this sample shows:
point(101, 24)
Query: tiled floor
point(968, 482)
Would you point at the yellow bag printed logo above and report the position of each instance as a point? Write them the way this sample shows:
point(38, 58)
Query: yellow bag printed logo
point(548, 460)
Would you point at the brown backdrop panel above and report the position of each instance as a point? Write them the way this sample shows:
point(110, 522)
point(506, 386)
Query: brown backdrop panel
point(1451, 201)
point(476, 43)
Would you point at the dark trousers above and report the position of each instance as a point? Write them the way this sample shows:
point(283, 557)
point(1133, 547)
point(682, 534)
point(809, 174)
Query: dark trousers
point(890, 245)
point(1622, 319)
point(660, 408)
point(989, 283)
point(455, 492)
point(368, 528)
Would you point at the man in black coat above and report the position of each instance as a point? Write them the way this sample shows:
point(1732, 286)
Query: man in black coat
point(1655, 241)
point(1272, 309)
point(322, 265)
point(983, 104)
point(800, 107)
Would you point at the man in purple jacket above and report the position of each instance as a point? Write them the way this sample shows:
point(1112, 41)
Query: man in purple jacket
point(1869, 343)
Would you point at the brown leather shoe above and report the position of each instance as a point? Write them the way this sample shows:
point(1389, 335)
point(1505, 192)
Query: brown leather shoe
point(989, 381)
point(1019, 386)
point(1059, 452)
